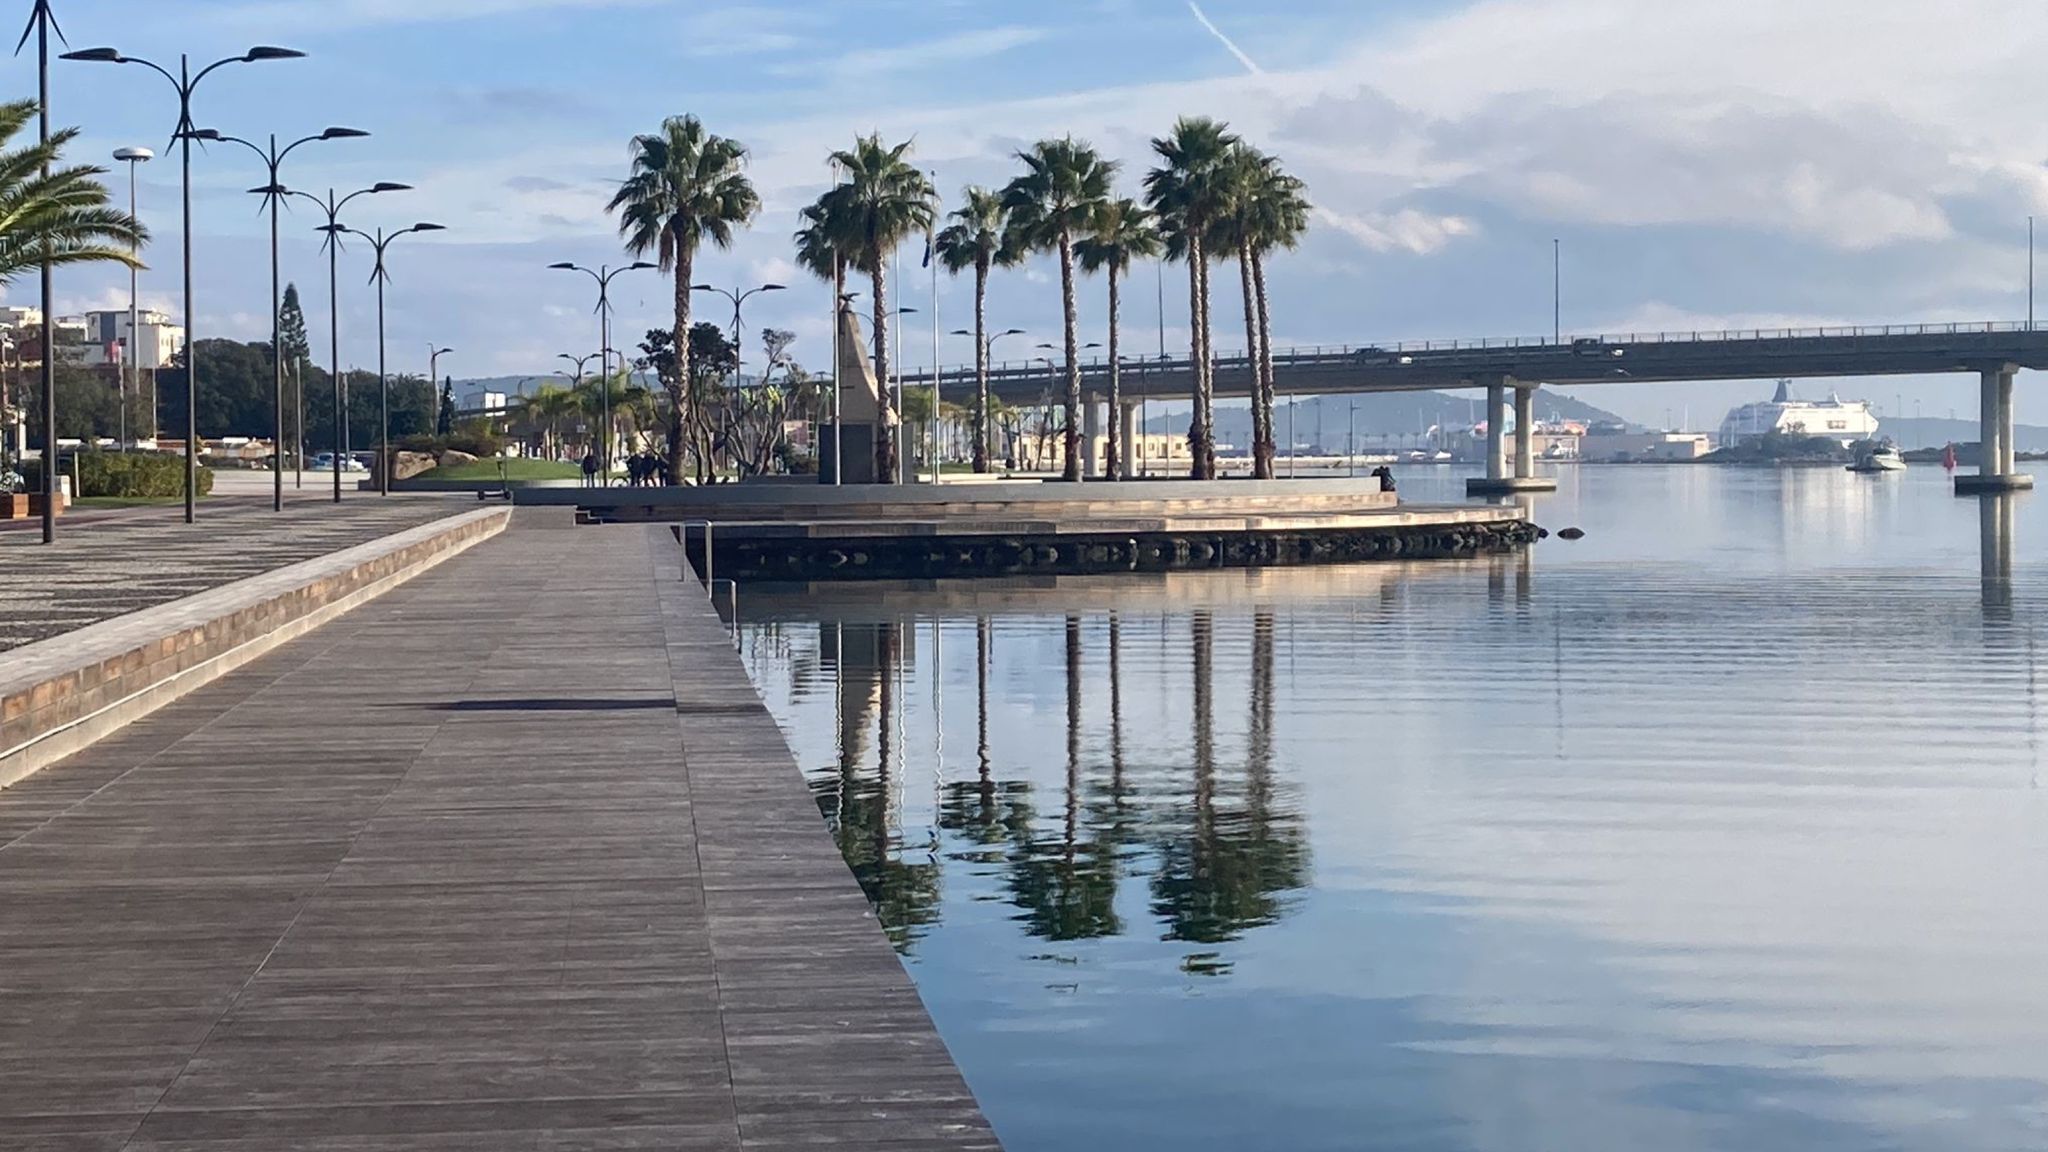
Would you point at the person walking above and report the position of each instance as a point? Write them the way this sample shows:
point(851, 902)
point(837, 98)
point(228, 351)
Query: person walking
point(589, 469)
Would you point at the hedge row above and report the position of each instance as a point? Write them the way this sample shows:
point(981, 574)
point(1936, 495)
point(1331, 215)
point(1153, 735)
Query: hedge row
point(123, 474)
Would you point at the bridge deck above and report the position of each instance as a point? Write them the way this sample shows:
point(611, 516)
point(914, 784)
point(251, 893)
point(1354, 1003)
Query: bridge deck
point(428, 879)
point(1754, 355)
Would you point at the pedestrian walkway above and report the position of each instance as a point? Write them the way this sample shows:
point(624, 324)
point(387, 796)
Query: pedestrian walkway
point(510, 858)
point(141, 557)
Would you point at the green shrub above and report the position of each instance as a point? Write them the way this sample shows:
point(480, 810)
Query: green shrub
point(122, 474)
point(476, 441)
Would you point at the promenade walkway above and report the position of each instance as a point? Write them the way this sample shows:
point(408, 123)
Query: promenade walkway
point(510, 858)
point(105, 564)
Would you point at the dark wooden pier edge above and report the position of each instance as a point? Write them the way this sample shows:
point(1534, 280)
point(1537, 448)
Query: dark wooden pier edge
point(781, 531)
point(855, 557)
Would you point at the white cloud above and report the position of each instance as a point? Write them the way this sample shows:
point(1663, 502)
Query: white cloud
point(337, 14)
point(950, 51)
point(1406, 230)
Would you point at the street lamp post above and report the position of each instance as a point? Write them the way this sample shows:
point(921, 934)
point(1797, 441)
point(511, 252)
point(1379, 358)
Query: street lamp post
point(434, 384)
point(738, 298)
point(988, 356)
point(272, 157)
point(186, 81)
point(604, 274)
point(379, 275)
point(129, 381)
point(332, 207)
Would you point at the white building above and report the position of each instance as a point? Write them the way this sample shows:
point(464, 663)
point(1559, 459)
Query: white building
point(1837, 419)
point(106, 333)
point(1611, 445)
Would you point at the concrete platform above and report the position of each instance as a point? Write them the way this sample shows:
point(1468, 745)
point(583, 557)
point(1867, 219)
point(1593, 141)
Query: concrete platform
point(427, 878)
point(1992, 485)
point(1509, 486)
point(883, 532)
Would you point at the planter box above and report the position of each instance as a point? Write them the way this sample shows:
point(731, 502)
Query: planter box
point(24, 505)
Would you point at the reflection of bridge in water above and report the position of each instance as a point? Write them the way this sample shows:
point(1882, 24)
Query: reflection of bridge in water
point(1992, 351)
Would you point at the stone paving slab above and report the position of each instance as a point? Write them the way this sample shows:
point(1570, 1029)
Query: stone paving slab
point(423, 879)
point(99, 570)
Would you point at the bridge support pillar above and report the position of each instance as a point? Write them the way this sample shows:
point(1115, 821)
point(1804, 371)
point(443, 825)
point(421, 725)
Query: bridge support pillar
point(1129, 439)
point(1525, 424)
point(1500, 479)
point(1995, 470)
point(1091, 430)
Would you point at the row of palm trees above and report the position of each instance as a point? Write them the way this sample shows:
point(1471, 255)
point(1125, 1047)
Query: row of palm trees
point(1211, 197)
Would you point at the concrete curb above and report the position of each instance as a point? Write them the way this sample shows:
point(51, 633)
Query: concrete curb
point(58, 696)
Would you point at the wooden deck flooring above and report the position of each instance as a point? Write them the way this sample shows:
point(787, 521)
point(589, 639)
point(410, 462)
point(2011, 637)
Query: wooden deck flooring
point(511, 858)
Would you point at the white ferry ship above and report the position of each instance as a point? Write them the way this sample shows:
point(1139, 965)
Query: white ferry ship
point(1835, 418)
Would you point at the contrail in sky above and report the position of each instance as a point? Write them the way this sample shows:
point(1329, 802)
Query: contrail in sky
point(1250, 65)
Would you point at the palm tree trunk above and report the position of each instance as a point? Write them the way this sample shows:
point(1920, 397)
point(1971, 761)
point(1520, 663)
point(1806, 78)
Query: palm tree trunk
point(1205, 388)
point(1072, 472)
point(679, 388)
point(1265, 339)
point(885, 435)
point(1262, 419)
point(981, 364)
point(1198, 432)
point(1115, 453)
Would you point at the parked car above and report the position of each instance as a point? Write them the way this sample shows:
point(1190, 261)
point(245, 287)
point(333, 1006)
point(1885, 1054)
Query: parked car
point(324, 462)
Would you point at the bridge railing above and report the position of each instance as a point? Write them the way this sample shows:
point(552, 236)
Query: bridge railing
point(1310, 355)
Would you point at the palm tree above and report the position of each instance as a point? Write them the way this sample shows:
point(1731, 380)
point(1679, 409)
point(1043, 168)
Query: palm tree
point(979, 239)
point(1185, 190)
point(1063, 189)
point(687, 186)
point(1231, 236)
point(61, 216)
point(885, 201)
point(549, 405)
point(1124, 231)
point(1279, 217)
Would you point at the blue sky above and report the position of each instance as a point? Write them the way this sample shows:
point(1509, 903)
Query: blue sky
point(1738, 164)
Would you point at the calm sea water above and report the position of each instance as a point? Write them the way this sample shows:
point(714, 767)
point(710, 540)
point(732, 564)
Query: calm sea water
point(1721, 828)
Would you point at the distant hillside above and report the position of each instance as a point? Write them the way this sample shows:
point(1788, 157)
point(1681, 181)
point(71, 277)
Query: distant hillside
point(1323, 422)
point(1931, 432)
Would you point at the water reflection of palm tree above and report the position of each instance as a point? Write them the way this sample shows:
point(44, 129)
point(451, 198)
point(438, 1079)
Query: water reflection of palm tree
point(1230, 869)
point(859, 806)
point(1067, 891)
point(987, 813)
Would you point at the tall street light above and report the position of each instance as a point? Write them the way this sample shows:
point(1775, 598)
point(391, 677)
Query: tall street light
point(988, 356)
point(331, 208)
point(40, 21)
point(130, 382)
point(604, 274)
point(186, 81)
point(576, 381)
point(379, 276)
point(434, 383)
point(272, 157)
point(738, 298)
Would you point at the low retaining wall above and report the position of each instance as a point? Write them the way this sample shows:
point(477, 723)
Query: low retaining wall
point(59, 695)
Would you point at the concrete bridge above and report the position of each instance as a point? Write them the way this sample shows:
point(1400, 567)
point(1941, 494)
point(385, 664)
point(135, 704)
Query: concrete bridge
point(1993, 351)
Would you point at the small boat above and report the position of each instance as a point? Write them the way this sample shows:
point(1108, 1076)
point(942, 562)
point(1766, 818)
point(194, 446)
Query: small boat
point(1882, 458)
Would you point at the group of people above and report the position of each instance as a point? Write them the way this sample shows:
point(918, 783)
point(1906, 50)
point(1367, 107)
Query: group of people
point(643, 470)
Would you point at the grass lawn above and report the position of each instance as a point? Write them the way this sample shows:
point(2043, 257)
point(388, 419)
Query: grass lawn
point(516, 468)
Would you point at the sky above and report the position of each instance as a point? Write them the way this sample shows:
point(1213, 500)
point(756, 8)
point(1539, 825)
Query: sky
point(1702, 166)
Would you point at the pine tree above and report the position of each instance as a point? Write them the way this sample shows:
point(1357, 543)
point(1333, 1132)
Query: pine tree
point(291, 324)
point(445, 424)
